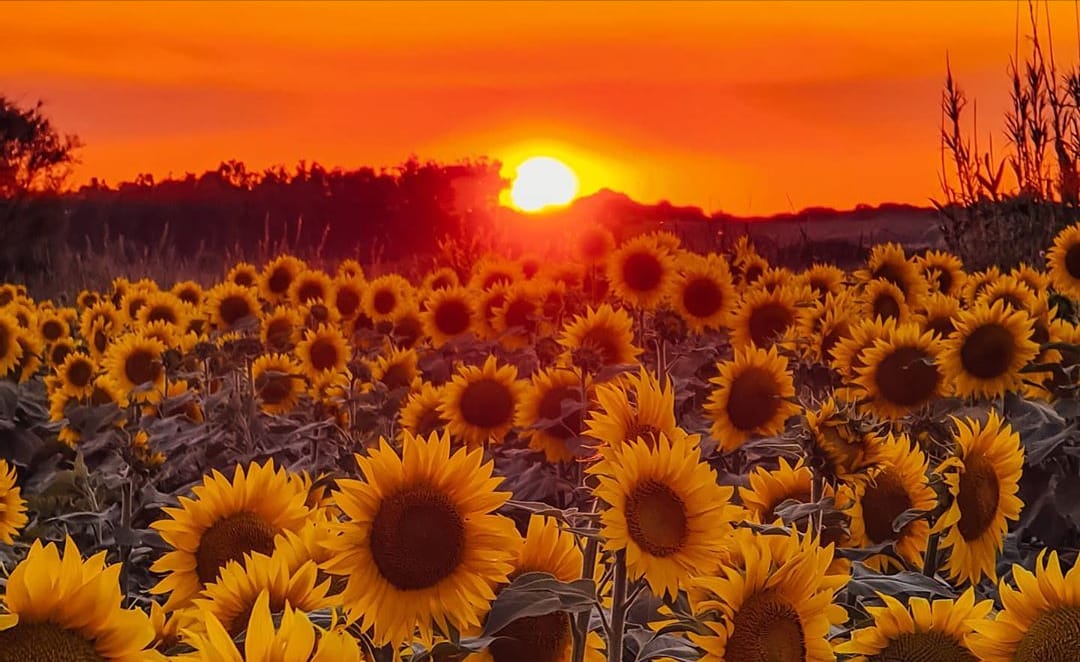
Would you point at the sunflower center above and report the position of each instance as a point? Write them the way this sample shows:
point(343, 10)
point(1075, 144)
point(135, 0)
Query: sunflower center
point(753, 272)
point(396, 376)
point(702, 297)
point(486, 403)
point(279, 280)
point(310, 291)
point(642, 272)
point(324, 356)
point(228, 539)
point(942, 326)
point(923, 647)
point(383, 302)
point(988, 351)
point(279, 334)
point(820, 286)
point(600, 340)
point(142, 366)
point(188, 295)
point(769, 321)
point(533, 639)
point(347, 301)
point(244, 278)
point(417, 538)
point(45, 642)
point(1072, 260)
point(440, 283)
point(430, 421)
point(496, 278)
point(649, 434)
point(884, 501)
point(752, 399)
point(944, 280)
point(906, 377)
point(521, 314)
point(79, 373)
point(234, 308)
point(452, 317)
point(60, 352)
point(274, 390)
point(100, 340)
point(408, 330)
point(767, 629)
point(162, 313)
point(1053, 637)
point(978, 496)
point(52, 330)
point(551, 408)
point(886, 307)
point(892, 273)
point(656, 518)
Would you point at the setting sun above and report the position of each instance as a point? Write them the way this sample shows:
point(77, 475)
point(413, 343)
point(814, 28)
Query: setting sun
point(541, 182)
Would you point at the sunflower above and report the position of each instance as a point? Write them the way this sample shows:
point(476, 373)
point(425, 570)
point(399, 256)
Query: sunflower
point(132, 302)
point(408, 329)
point(243, 274)
point(899, 484)
point(883, 300)
point(640, 272)
point(824, 279)
point(541, 416)
point(449, 313)
point(32, 351)
point(768, 489)
point(59, 607)
point(751, 269)
point(1063, 262)
point(226, 520)
point(1036, 280)
point(775, 277)
point(278, 382)
point(231, 307)
point(753, 396)
point(936, 313)
point(1012, 291)
point(900, 373)
point(322, 351)
point(842, 449)
point(479, 403)
point(280, 329)
point(606, 333)
point(636, 407)
point(665, 509)
point(944, 272)
point(12, 508)
point(310, 285)
point(189, 292)
point(833, 326)
point(134, 368)
point(58, 351)
point(397, 369)
point(164, 307)
point(703, 293)
point(76, 375)
point(85, 298)
point(420, 414)
point(102, 314)
point(777, 607)
point(347, 297)
point(350, 269)
point(1040, 621)
point(487, 303)
point(277, 277)
point(763, 317)
point(384, 296)
point(421, 545)
point(849, 352)
point(918, 630)
point(985, 353)
point(10, 350)
point(594, 244)
point(491, 271)
point(983, 483)
point(52, 326)
point(975, 283)
point(889, 263)
point(516, 321)
point(440, 279)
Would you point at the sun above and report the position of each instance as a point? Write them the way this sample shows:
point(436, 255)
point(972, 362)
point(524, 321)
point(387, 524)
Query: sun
point(542, 182)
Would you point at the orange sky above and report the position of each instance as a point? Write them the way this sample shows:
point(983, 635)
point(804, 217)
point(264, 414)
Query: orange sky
point(744, 107)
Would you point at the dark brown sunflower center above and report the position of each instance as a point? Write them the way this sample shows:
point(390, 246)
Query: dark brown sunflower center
point(188, 295)
point(228, 539)
point(1053, 637)
point(142, 366)
point(45, 642)
point(161, 313)
point(428, 422)
point(647, 433)
point(978, 496)
point(279, 280)
point(408, 330)
point(885, 500)
point(886, 307)
point(894, 273)
point(906, 377)
point(656, 518)
point(766, 629)
point(753, 399)
point(988, 352)
point(600, 340)
point(551, 408)
point(831, 338)
point(440, 283)
point(310, 290)
point(702, 297)
point(274, 390)
point(279, 334)
point(944, 280)
point(486, 404)
point(642, 272)
point(533, 639)
point(244, 278)
point(417, 538)
point(347, 301)
point(384, 302)
point(79, 373)
point(60, 352)
point(923, 647)
point(942, 326)
point(133, 306)
point(234, 308)
point(753, 272)
point(396, 376)
point(769, 321)
point(496, 278)
point(324, 355)
point(1072, 260)
point(521, 314)
point(820, 285)
point(52, 329)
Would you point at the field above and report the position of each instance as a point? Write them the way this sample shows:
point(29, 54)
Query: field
point(620, 451)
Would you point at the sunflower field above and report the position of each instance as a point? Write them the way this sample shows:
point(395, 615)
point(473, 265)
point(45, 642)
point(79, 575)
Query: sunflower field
point(631, 451)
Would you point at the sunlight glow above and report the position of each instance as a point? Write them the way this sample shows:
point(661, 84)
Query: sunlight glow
point(542, 182)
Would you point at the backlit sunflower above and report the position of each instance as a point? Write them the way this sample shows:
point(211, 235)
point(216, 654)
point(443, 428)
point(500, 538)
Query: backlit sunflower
point(898, 484)
point(480, 403)
point(985, 353)
point(889, 263)
point(396, 369)
point(541, 416)
point(12, 508)
point(665, 509)
point(943, 272)
point(487, 303)
point(983, 484)
point(763, 317)
point(637, 406)
point(164, 307)
point(640, 272)
point(230, 306)
point(310, 285)
point(1010, 290)
point(1040, 621)
point(420, 414)
point(133, 367)
point(449, 313)
point(280, 329)
point(226, 520)
point(441, 279)
point(277, 276)
point(824, 279)
point(883, 300)
point(752, 397)
point(594, 244)
point(918, 630)
point(776, 607)
point(385, 296)
point(278, 382)
point(189, 292)
point(491, 271)
point(322, 351)
point(347, 297)
point(1063, 262)
point(900, 373)
point(516, 322)
point(421, 546)
point(10, 350)
point(606, 333)
point(76, 375)
point(703, 293)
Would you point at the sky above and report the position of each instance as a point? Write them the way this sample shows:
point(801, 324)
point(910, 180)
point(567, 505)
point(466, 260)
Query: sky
point(744, 107)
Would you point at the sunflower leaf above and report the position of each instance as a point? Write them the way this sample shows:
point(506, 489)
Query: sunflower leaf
point(538, 594)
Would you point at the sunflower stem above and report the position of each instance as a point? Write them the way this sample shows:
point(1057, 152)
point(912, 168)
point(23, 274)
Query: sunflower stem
point(588, 565)
point(618, 609)
point(930, 560)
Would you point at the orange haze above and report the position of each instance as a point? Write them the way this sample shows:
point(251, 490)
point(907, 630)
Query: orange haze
point(744, 107)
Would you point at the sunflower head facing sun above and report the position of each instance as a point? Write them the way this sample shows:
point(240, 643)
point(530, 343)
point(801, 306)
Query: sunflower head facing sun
point(542, 182)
